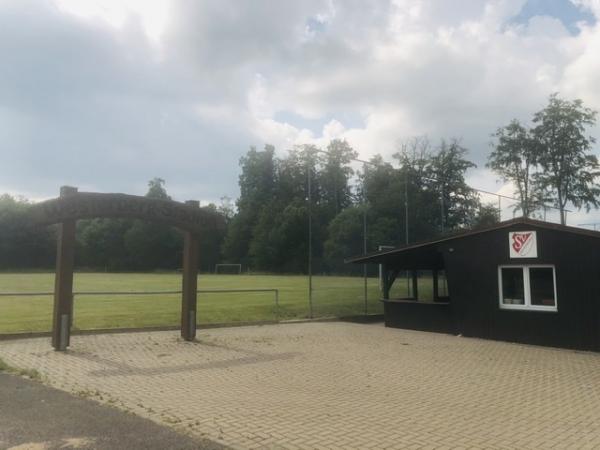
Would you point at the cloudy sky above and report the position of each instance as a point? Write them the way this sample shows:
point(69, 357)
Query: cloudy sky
point(106, 94)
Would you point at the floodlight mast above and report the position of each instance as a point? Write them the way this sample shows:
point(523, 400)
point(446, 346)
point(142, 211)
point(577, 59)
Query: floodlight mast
point(309, 188)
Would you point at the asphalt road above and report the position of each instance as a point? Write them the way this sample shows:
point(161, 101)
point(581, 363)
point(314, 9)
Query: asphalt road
point(36, 417)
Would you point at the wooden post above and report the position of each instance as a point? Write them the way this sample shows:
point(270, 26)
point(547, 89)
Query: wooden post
point(386, 285)
point(63, 280)
point(389, 276)
point(189, 282)
point(415, 284)
point(434, 276)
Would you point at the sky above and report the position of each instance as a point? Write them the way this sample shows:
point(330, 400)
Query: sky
point(105, 95)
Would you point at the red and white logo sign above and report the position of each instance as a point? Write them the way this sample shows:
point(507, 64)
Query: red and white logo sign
point(522, 244)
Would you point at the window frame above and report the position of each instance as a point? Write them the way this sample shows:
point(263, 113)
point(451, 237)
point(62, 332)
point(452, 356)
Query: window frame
point(527, 288)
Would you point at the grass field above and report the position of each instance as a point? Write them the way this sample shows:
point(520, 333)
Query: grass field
point(332, 296)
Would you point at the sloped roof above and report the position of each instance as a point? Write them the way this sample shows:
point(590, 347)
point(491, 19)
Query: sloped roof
point(373, 257)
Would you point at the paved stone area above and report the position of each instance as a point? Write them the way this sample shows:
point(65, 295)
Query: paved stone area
point(335, 385)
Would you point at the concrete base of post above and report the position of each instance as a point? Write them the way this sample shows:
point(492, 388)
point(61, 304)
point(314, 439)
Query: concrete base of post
point(65, 333)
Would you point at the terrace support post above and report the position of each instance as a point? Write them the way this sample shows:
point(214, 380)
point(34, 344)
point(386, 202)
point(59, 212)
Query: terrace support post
point(415, 284)
point(189, 282)
point(434, 276)
point(386, 285)
point(62, 319)
point(389, 276)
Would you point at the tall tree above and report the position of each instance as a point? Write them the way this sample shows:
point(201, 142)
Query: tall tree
point(293, 175)
point(153, 245)
point(226, 208)
point(101, 244)
point(569, 170)
point(383, 187)
point(420, 203)
point(335, 174)
point(446, 174)
point(22, 244)
point(280, 236)
point(488, 215)
point(438, 195)
point(514, 159)
point(345, 238)
point(156, 189)
point(257, 182)
point(280, 241)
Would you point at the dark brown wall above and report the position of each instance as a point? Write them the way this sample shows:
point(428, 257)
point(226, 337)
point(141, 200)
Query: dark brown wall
point(472, 268)
point(436, 317)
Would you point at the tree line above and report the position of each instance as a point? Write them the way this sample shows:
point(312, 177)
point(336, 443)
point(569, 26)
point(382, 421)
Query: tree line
point(346, 206)
point(102, 244)
point(550, 162)
point(270, 230)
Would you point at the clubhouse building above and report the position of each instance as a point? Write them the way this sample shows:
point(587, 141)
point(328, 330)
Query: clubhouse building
point(521, 280)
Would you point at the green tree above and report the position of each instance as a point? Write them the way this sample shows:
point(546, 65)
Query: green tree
point(435, 188)
point(211, 236)
point(569, 170)
point(487, 215)
point(226, 208)
point(293, 175)
point(334, 175)
point(156, 189)
point(101, 244)
point(23, 245)
point(383, 187)
point(445, 173)
point(153, 245)
point(345, 238)
point(514, 159)
point(280, 241)
point(257, 182)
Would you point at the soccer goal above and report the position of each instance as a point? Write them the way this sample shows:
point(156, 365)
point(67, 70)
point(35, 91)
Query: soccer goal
point(228, 269)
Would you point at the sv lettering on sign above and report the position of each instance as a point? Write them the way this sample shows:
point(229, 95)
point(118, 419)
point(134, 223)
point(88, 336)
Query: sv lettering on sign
point(519, 241)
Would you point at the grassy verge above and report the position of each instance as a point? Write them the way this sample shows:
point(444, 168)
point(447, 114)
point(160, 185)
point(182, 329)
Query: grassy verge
point(29, 373)
point(3, 366)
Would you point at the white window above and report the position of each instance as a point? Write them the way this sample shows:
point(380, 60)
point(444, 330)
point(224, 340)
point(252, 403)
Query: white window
point(527, 287)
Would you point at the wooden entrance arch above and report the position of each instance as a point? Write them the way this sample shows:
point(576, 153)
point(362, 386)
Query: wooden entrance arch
point(73, 205)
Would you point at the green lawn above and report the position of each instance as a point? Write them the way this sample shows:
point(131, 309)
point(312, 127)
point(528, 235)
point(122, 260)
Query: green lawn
point(332, 296)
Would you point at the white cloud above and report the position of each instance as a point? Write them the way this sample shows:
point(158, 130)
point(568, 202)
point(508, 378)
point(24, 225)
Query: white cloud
point(111, 93)
point(153, 14)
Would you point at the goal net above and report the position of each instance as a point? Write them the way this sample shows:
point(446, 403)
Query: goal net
point(228, 269)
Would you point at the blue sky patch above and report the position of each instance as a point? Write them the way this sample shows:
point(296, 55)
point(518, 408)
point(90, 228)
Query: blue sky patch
point(315, 25)
point(564, 10)
point(348, 119)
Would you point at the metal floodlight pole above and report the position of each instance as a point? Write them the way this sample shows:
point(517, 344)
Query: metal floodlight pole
point(442, 206)
point(499, 208)
point(310, 299)
point(406, 207)
point(365, 236)
point(406, 221)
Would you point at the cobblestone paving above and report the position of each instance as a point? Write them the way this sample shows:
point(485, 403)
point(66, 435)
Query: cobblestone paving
point(335, 385)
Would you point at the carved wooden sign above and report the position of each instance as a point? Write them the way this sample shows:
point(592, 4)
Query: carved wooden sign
point(73, 205)
point(87, 205)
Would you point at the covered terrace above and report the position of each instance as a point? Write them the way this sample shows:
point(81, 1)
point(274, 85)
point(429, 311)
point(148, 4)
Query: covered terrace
point(425, 302)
